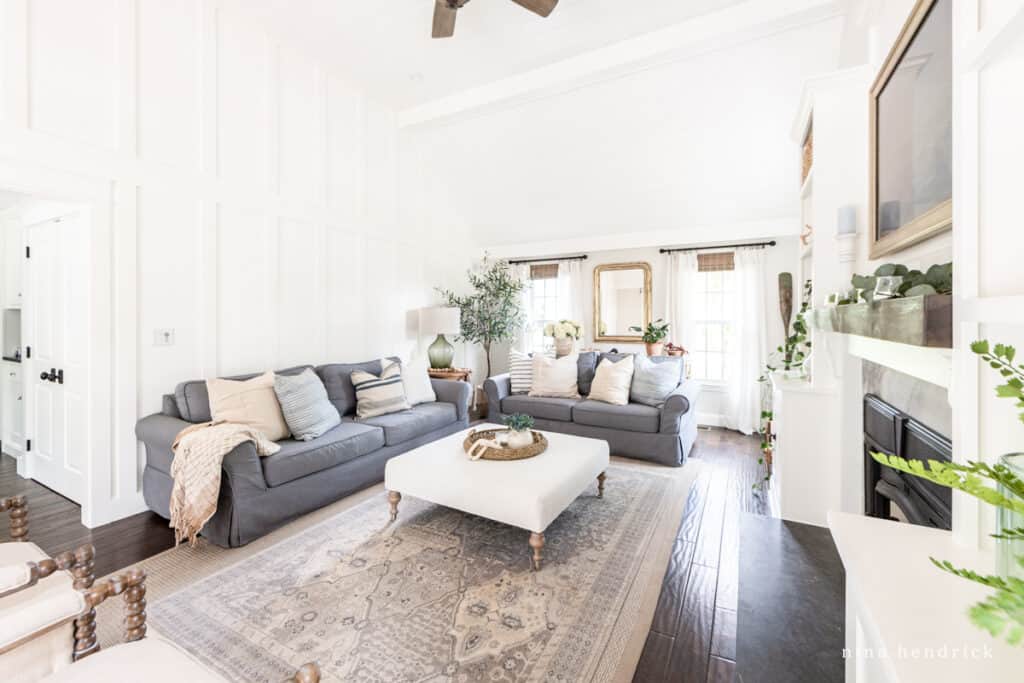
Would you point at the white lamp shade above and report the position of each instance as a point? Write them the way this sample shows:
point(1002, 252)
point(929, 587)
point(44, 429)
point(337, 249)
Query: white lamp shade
point(440, 320)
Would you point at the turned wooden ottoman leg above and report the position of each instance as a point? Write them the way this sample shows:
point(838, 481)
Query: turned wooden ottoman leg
point(600, 484)
point(393, 498)
point(537, 543)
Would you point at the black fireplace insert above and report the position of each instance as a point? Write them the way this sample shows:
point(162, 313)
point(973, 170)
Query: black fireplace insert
point(889, 430)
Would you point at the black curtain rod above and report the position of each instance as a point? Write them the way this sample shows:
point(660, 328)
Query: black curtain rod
point(520, 261)
point(719, 246)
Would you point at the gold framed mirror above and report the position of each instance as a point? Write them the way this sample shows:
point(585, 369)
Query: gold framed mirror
point(622, 299)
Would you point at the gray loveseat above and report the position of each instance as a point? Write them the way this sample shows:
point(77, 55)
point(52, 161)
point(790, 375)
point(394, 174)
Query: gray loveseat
point(664, 435)
point(259, 494)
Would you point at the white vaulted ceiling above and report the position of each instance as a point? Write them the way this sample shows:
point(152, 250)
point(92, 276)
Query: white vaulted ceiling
point(386, 45)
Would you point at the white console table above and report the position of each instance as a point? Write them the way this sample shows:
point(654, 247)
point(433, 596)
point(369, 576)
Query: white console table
point(906, 620)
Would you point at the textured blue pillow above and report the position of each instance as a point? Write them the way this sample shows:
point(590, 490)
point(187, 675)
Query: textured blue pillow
point(654, 381)
point(304, 403)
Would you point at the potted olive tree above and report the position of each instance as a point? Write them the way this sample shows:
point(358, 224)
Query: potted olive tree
point(492, 312)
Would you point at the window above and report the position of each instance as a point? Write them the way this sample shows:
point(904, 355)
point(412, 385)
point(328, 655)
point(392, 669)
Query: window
point(713, 341)
point(542, 304)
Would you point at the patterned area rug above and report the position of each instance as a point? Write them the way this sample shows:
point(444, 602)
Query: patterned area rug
point(440, 595)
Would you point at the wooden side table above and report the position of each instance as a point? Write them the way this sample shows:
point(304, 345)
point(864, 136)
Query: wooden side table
point(462, 375)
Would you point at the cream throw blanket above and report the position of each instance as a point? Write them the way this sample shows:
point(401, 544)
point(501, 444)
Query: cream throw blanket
point(199, 451)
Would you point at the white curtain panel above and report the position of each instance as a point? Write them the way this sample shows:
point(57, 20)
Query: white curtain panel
point(681, 299)
point(522, 340)
point(571, 294)
point(743, 411)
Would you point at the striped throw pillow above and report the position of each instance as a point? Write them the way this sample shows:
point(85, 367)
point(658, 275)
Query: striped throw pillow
point(379, 395)
point(307, 410)
point(520, 368)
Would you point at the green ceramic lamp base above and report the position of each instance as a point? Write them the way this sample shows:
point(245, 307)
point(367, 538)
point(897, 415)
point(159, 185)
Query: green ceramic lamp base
point(441, 353)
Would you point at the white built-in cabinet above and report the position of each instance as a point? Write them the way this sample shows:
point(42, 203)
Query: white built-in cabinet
point(12, 404)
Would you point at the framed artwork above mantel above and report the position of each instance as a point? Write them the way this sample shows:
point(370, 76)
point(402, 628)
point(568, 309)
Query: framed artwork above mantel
point(911, 133)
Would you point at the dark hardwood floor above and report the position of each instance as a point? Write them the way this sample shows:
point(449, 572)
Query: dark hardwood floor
point(55, 525)
point(693, 635)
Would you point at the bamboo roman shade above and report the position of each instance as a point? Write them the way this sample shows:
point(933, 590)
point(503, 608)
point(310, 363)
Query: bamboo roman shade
point(707, 263)
point(544, 271)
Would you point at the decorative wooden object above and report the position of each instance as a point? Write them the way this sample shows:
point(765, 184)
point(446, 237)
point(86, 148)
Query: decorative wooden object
point(539, 445)
point(537, 543)
point(133, 585)
point(600, 484)
point(307, 673)
point(17, 506)
point(84, 572)
point(808, 154)
point(456, 374)
point(917, 320)
point(394, 498)
point(786, 300)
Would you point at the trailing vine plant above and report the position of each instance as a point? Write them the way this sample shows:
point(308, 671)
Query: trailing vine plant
point(1002, 612)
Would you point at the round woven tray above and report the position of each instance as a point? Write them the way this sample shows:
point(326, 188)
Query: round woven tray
point(539, 445)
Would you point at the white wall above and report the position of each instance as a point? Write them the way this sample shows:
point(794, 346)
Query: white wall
point(694, 147)
point(253, 197)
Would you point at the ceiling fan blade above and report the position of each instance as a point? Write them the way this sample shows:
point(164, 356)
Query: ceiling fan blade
point(444, 20)
point(541, 7)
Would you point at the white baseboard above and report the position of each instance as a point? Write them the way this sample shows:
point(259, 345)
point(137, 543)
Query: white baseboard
point(710, 420)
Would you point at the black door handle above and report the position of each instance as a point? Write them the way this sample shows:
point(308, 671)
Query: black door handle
point(44, 376)
point(50, 376)
point(60, 376)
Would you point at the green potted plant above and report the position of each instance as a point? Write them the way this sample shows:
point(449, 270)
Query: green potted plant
point(654, 336)
point(519, 426)
point(492, 312)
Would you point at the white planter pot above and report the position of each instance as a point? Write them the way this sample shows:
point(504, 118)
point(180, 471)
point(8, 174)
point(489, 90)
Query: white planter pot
point(564, 347)
point(519, 439)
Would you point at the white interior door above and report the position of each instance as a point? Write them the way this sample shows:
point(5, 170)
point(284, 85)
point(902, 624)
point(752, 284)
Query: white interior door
point(57, 311)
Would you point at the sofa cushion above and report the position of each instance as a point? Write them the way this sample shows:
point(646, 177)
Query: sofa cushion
point(193, 401)
point(337, 379)
point(408, 424)
point(296, 459)
point(545, 407)
point(632, 417)
point(586, 367)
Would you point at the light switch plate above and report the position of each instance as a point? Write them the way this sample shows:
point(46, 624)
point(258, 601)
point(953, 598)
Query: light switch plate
point(163, 337)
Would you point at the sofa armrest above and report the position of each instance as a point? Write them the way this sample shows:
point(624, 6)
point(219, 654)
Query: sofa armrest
point(682, 400)
point(241, 465)
point(497, 388)
point(452, 391)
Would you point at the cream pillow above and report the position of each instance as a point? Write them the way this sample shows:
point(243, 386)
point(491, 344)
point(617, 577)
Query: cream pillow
point(612, 381)
point(251, 402)
point(555, 377)
point(416, 380)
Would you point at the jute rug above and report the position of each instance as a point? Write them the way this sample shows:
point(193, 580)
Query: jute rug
point(438, 596)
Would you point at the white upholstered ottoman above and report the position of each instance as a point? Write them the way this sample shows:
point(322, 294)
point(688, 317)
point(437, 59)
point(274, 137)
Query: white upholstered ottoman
point(528, 493)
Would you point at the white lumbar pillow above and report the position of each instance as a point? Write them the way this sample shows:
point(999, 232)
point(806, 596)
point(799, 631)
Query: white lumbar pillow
point(555, 377)
point(612, 381)
point(416, 381)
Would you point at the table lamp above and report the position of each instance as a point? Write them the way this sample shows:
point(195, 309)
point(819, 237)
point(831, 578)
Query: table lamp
point(440, 320)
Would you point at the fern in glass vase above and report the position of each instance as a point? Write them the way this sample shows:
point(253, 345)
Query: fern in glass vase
point(1002, 613)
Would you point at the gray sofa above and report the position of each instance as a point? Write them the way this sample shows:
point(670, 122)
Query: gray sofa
point(258, 494)
point(664, 435)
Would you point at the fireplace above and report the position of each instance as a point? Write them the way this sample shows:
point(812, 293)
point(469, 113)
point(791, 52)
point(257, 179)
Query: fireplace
point(890, 494)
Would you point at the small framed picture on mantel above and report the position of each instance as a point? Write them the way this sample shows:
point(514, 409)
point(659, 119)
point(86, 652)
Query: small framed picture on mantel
point(911, 131)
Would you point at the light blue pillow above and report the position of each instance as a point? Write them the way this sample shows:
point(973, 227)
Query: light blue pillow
point(653, 382)
point(304, 404)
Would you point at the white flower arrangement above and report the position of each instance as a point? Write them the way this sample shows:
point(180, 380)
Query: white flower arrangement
point(564, 329)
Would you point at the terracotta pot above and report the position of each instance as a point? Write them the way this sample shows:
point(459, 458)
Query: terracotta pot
point(656, 349)
point(564, 347)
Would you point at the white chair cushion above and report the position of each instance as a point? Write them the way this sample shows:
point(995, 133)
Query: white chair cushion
point(51, 601)
point(151, 659)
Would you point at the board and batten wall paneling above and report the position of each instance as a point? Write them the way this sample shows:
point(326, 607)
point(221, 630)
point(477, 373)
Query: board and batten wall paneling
point(248, 191)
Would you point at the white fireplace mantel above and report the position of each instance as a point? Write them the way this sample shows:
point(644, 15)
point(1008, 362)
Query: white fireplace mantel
point(906, 620)
point(933, 365)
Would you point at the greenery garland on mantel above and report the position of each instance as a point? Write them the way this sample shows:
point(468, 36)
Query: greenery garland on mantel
point(1002, 613)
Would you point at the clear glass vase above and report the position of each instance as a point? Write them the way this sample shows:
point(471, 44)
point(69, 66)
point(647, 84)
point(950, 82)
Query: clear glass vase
point(1007, 551)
